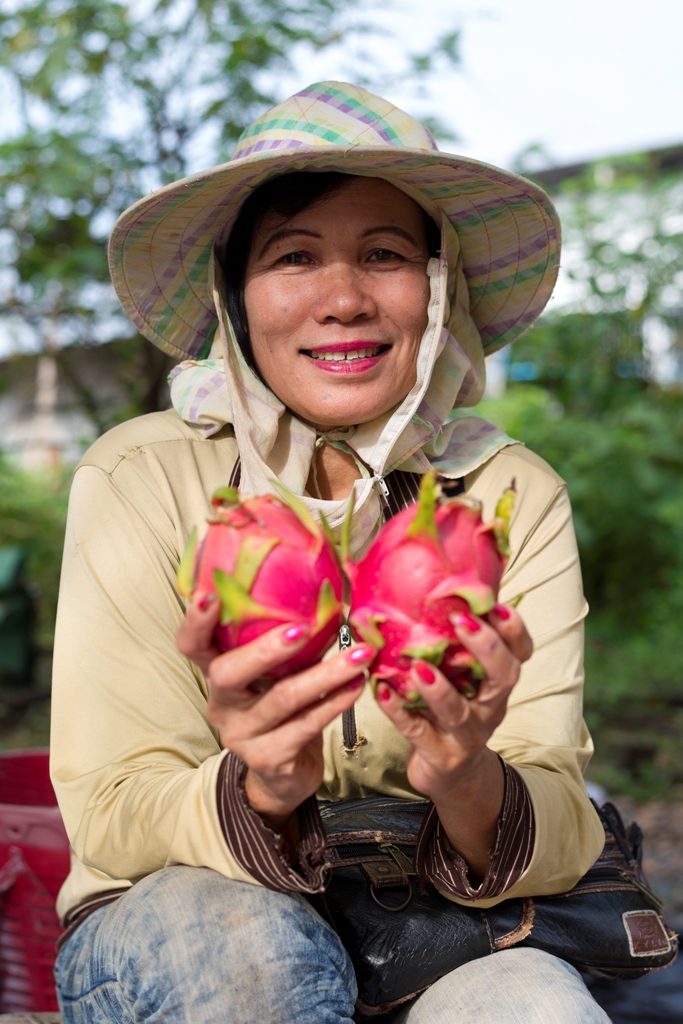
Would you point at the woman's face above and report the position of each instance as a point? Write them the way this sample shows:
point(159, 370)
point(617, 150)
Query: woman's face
point(336, 300)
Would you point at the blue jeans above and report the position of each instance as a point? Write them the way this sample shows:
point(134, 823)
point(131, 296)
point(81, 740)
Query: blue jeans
point(188, 946)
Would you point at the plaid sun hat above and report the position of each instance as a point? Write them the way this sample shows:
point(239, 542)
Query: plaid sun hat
point(509, 232)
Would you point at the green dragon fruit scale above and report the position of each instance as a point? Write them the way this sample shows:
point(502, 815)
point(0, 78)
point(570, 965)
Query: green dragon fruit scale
point(270, 563)
point(429, 563)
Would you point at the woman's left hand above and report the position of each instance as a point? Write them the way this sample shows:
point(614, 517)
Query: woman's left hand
point(448, 758)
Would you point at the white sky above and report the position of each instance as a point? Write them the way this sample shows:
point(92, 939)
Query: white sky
point(585, 78)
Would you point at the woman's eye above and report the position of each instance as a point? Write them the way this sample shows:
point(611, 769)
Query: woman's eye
point(295, 258)
point(384, 255)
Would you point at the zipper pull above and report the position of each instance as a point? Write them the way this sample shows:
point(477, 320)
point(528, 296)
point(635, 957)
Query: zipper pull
point(382, 485)
point(344, 637)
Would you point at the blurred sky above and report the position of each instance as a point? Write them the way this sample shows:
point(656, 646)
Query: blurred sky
point(585, 78)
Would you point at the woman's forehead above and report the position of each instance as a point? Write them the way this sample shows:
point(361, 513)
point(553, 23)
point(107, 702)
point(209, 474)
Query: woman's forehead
point(357, 205)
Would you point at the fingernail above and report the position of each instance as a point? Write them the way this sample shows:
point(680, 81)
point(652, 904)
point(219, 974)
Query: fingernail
point(204, 601)
point(294, 633)
point(501, 611)
point(364, 652)
point(425, 673)
point(383, 692)
point(466, 621)
point(356, 683)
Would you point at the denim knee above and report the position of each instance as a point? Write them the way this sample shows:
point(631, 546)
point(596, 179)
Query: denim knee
point(188, 944)
point(514, 986)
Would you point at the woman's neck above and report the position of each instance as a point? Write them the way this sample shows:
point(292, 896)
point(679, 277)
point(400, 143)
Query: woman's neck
point(336, 472)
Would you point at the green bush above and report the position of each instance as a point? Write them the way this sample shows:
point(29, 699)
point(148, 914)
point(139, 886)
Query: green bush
point(617, 439)
point(33, 515)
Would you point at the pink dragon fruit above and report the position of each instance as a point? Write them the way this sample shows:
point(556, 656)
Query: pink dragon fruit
point(270, 563)
point(429, 563)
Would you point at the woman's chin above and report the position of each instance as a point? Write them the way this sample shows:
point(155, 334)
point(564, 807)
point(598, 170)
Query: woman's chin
point(327, 415)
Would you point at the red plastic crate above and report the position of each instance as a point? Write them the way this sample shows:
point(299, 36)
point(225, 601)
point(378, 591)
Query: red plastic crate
point(34, 861)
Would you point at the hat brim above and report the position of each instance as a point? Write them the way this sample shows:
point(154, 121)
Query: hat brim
point(508, 228)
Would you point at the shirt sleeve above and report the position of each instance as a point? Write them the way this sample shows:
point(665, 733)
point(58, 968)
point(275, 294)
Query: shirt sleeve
point(543, 736)
point(436, 860)
point(262, 852)
point(139, 772)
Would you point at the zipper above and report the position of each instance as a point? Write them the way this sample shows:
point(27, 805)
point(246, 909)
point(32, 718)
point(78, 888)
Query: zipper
point(350, 738)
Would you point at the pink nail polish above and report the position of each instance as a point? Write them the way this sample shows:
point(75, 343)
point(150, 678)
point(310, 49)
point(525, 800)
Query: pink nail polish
point(425, 673)
point(294, 633)
point(465, 621)
point(360, 654)
point(383, 692)
point(501, 611)
point(204, 601)
point(356, 683)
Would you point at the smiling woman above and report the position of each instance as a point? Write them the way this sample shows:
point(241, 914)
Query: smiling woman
point(330, 293)
point(336, 275)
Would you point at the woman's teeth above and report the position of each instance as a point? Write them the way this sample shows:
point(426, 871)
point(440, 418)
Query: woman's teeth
point(348, 357)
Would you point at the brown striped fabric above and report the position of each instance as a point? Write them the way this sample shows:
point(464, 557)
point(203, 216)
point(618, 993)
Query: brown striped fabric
point(259, 849)
point(78, 913)
point(403, 487)
point(436, 860)
point(236, 474)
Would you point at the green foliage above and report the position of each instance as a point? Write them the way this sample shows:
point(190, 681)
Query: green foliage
point(109, 101)
point(604, 405)
point(33, 515)
point(617, 439)
point(112, 98)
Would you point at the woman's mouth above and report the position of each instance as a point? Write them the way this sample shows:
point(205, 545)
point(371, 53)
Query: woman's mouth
point(347, 359)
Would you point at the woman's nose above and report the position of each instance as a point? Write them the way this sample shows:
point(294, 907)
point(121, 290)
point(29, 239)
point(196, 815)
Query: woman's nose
point(344, 295)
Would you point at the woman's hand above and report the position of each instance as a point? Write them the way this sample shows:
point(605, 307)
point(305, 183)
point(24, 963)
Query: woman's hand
point(448, 759)
point(275, 728)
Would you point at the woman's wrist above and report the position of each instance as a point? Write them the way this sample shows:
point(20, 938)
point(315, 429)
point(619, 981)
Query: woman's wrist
point(462, 784)
point(469, 808)
point(274, 810)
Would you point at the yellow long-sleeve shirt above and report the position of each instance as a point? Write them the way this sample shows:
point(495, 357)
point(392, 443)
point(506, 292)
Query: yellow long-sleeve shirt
point(135, 763)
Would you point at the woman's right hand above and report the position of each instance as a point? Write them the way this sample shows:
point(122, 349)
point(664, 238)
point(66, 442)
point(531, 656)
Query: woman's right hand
point(275, 729)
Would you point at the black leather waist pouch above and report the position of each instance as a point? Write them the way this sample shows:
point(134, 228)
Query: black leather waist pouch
point(402, 935)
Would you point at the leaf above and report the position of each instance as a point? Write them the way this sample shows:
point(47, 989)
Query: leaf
point(414, 701)
point(432, 653)
point(424, 522)
point(250, 557)
point(367, 629)
point(345, 537)
point(327, 530)
point(466, 689)
point(297, 506)
point(236, 605)
point(225, 496)
point(186, 569)
point(328, 605)
point(501, 522)
point(479, 596)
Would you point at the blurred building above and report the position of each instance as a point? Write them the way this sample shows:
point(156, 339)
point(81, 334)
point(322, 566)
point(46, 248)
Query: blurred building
point(52, 406)
point(616, 188)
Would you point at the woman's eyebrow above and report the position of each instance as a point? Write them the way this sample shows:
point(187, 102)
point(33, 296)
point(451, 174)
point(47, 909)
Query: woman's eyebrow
point(392, 229)
point(284, 233)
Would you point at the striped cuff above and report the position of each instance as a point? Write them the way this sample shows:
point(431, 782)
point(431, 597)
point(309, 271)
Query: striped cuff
point(436, 859)
point(77, 914)
point(260, 850)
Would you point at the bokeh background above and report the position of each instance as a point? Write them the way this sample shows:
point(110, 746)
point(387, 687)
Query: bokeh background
point(102, 101)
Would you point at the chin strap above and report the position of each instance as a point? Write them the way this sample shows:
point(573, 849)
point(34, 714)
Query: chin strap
point(338, 438)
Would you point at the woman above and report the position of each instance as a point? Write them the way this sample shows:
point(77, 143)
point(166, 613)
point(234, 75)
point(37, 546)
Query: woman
point(336, 286)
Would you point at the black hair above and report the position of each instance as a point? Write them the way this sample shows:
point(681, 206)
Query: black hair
point(286, 195)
